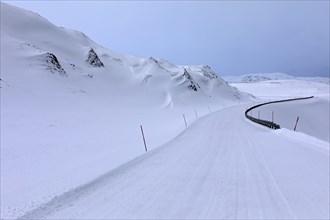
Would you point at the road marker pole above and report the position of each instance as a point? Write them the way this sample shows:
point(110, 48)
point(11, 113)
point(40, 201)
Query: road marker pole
point(184, 118)
point(295, 126)
point(144, 140)
point(196, 113)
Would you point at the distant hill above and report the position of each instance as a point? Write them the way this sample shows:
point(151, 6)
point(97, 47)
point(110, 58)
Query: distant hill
point(258, 77)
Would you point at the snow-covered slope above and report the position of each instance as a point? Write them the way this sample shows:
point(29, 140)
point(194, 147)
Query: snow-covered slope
point(32, 43)
point(221, 167)
point(281, 89)
point(71, 109)
point(258, 77)
point(313, 116)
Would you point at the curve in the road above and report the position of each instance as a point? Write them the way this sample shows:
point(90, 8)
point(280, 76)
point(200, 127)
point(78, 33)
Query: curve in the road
point(266, 123)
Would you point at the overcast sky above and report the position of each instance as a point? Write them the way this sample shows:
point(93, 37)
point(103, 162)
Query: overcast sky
point(233, 37)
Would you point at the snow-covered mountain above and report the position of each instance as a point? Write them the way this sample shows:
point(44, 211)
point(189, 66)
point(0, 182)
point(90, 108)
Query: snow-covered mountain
point(33, 44)
point(71, 109)
point(72, 117)
point(258, 77)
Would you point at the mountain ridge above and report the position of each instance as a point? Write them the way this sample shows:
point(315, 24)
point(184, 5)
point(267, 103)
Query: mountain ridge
point(74, 53)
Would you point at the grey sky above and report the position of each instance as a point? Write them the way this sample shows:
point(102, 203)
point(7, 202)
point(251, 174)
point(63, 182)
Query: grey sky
point(233, 37)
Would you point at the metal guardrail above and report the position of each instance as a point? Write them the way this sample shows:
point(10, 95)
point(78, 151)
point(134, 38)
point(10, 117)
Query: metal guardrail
point(266, 123)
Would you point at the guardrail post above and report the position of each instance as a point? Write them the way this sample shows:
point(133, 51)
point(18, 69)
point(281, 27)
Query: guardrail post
point(273, 116)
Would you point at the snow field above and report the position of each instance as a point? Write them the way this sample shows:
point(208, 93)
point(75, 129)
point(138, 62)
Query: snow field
point(72, 143)
point(222, 166)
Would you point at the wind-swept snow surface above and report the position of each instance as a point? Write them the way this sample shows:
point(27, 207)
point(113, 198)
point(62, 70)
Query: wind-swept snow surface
point(222, 166)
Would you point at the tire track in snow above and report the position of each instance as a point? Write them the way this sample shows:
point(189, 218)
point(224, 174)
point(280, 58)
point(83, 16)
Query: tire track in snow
point(214, 169)
point(280, 204)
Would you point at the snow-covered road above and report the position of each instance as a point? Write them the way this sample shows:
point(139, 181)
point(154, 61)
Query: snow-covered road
point(221, 166)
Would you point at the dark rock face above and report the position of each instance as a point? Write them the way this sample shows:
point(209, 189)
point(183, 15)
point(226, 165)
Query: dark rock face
point(252, 78)
point(3, 83)
point(208, 73)
point(151, 59)
point(93, 59)
point(192, 85)
point(54, 65)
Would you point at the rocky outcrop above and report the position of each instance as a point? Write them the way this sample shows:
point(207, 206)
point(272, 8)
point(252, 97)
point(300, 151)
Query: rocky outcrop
point(53, 65)
point(252, 78)
point(153, 60)
point(208, 73)
point(93, 59)
point(192, 85)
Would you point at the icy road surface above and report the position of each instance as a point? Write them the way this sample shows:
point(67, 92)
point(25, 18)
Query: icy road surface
point(222, 166)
